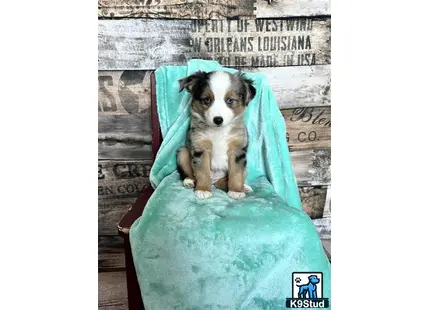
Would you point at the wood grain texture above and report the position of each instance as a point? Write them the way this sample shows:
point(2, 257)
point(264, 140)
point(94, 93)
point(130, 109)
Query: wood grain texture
point(128, 92)
point(201, 9)
point(300, 86)
point(323, 227)
point(124, 92)
point(125, 133)
point(327, 206)
point(313, 200)
point(111, 211)
point(122, 178)
point(120, 183)
point(111, 253)
point(287, 8)
point(308, 127)
point(300, 138)
point(113, 291)
point(312, 167)
point(135, 44)
point(204, 9)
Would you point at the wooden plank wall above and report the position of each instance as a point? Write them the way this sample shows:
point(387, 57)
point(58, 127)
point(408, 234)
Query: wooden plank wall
point(147, 44)
point(287, 40)
point(205, 9)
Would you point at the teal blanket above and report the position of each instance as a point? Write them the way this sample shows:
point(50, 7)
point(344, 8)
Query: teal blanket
point(222, 253)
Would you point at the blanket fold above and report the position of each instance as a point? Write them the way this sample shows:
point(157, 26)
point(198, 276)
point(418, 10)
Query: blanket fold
point(222, 253)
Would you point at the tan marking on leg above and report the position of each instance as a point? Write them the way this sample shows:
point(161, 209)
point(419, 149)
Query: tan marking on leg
point(203, 173)
point(235, 173)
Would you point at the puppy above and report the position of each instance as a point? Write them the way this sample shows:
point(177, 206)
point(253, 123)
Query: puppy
point(217, 139)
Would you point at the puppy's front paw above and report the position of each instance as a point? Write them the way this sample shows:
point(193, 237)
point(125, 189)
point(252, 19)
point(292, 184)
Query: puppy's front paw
point(189, 183)
point(247, 188)
point(203, 194)
point(236, 195)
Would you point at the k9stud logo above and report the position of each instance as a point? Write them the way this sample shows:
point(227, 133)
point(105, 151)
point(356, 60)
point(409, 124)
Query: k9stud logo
point(307, 288)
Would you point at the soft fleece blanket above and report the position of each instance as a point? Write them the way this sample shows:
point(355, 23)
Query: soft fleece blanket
point(222, 253)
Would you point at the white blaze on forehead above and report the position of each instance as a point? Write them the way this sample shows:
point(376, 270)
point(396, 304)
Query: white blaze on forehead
point(219, 84)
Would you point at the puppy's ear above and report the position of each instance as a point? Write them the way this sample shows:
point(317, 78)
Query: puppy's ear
point(249, 90)
point(190, 81)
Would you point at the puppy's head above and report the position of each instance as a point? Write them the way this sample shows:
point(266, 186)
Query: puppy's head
point(218, 96)
point(313, 279)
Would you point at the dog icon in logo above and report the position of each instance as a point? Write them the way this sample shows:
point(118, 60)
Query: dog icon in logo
point(309, 290)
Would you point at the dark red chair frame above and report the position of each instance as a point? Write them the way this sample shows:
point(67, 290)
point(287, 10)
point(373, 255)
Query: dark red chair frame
point(134, 296)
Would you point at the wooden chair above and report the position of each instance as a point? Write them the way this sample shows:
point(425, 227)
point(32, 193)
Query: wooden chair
point(135, 301)
point(133, 290)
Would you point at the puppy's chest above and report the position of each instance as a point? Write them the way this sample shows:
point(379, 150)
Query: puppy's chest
point(220, 138)
point(219, 160)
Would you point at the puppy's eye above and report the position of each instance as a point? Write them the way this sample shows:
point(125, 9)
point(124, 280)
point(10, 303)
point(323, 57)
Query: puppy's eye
point(206, 101)
point(229, 101)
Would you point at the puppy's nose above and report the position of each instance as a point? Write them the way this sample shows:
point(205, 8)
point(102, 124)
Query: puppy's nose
point(218, 120)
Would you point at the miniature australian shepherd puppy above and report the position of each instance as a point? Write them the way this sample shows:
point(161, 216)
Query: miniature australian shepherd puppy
point(217, 139)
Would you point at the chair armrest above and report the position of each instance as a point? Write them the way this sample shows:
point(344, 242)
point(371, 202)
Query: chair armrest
point(134, 212)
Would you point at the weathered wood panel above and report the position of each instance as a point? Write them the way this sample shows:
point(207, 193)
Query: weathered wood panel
point(124, 134)
point(120, 183)
point(124, 120)
point(124, 92)
point(313, 200)
point(323, 227)
point(115, 150)
point(312, 167)
point(327, 206)
point(147, 44)
point(286, 8)
point(111, 211)
point(124, 123)
point(202, 9)
point(111, 253)
point(308, 128)
point(304, 86)
point(323, 224)
point(128, 136)
point(113, 291)
point(129, 92)
point(119, 179)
